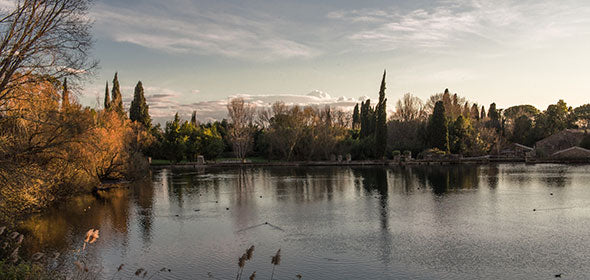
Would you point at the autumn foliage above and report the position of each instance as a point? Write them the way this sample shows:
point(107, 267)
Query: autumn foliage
point(50, 150)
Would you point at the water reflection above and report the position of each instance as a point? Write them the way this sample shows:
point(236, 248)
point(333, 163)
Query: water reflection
point(419, 222)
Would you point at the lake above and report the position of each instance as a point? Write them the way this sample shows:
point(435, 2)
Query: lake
point(507, 221)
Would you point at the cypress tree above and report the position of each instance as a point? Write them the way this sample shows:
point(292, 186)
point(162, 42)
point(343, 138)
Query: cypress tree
point(139, 110)
point(494, 116)
point(367, 119)
point(117, 99)
point(381, 121)
point(483, 113)
point(475, 112)
point(65, 97)
point(492, 112)
point(363, 119)
point(355, 116)
point(107, 97)
point(438, 131)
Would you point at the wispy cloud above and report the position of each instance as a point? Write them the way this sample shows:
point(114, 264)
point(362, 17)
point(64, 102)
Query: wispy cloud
point(465, 23)
point(185, 31)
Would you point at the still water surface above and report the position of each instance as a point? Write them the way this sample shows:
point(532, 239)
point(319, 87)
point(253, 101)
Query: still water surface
point(444, 222)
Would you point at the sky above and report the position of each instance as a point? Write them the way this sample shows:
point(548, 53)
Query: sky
point(196, 55)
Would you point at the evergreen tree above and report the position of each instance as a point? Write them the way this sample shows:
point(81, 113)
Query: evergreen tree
point(367, 119)
point(438, 132)
point(107, 97)
point(117, 99)
point(494, 116)
point(356, 118)
point(65, 97)
point(521, 132)
point(381, 121)
point(194, 118)
point(475, 112)
point(174, 144)
point(483, 113)
point(492, 112)
point(139, 110)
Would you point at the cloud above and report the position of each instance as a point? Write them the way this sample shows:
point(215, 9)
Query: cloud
point(465, 23)
point(164, 105)
point(185, 30)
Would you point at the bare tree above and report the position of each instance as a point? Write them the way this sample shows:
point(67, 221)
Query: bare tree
point(409, 108)
point(43, 40)
point(241, 129)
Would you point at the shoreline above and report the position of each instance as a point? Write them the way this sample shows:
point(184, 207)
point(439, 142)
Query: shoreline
point(194, 165)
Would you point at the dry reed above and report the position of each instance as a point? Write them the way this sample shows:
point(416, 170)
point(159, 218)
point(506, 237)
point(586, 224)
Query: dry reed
point(276, 260)
point(242, 261)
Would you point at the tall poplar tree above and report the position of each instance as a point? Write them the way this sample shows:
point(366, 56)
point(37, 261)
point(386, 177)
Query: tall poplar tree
point(139, 110)
point(381, 121)
point(107, 97)
point(117, 99)
point(438, 131)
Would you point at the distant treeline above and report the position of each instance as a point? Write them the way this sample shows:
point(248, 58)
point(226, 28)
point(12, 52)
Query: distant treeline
point(444, 123)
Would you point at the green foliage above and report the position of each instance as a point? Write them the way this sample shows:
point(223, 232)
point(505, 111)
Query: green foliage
point(174, 145)
point(367, 119)
point(556, 118)
point(515, 112)
point(582, 113)
point(361, 149)
point(438, 133)
point(521, 133)
point(464, 139)
point(185, 140)
point(139, 110)
point(407, 135)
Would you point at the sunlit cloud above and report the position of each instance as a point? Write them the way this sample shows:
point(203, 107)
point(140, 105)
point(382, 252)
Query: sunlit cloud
point(163, 105)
